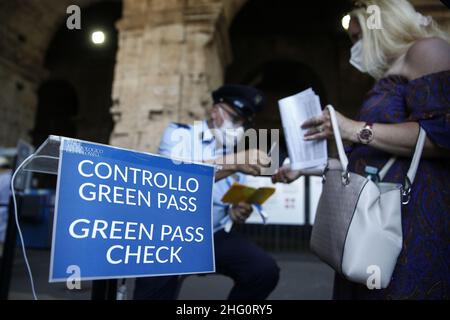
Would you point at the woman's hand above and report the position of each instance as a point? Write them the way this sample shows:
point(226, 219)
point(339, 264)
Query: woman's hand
point(320, 127)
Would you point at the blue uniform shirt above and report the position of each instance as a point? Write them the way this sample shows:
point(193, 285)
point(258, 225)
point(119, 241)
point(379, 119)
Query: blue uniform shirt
point(196, 143)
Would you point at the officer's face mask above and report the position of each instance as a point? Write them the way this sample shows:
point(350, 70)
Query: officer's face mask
point(228, 134)
point(356, 58)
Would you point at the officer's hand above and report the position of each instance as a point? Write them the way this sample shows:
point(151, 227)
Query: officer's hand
point(252, 161)
point(286, 175)
point(239, 213)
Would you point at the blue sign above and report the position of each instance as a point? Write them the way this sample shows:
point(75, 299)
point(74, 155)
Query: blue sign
point(121, 213)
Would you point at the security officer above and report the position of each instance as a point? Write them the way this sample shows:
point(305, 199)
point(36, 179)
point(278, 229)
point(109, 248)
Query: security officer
point(254, 272)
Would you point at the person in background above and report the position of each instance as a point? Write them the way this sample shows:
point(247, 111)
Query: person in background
point(254, 272)
point(5, 183)
point(410, 59)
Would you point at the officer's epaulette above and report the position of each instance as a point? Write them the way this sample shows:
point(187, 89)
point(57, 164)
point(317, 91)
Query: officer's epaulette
point(181, 125)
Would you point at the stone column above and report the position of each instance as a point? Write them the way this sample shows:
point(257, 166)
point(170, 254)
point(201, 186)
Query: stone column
point(172, 53)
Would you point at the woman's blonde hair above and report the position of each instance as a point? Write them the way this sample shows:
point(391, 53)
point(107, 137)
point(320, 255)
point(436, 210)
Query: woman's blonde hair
point(400, 27)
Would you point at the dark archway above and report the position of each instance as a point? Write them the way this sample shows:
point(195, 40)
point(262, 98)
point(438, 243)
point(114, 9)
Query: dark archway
point(307, 33)
point(75, 99)
point(72, 57)
point(278, 79)
point(57, 111)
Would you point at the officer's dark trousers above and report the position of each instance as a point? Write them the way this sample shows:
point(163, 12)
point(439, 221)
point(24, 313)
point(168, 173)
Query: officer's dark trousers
point(254, 272)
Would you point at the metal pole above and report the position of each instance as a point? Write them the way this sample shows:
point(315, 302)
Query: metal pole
point(9, 247)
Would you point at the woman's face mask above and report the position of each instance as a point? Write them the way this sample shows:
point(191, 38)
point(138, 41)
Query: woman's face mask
point(228, 134)
point(356, 58)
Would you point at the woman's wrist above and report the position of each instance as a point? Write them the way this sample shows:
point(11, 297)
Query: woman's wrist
point(350, 130)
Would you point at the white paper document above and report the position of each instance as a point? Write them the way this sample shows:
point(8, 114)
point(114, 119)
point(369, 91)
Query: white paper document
point(295, 110)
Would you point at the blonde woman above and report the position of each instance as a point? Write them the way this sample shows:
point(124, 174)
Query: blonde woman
point(410, 59)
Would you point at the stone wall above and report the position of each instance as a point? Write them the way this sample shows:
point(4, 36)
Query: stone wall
point(172, 53)
point(26, 29)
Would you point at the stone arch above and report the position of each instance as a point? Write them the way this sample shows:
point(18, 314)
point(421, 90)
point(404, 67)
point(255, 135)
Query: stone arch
point(27, 29)
point(71, 55)
point(279, 78)
point(232, 8)
point(57, 110)
point(47, 15)
point(183, 48)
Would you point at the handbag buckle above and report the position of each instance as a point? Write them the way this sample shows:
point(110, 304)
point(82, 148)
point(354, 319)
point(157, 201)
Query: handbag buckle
point(324, 174)
point(345, 178)
point(406, 192)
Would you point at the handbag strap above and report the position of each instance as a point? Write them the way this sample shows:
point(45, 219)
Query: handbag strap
point(386, 168)
point(417, 155)
point(337, 137)
point(414, 163)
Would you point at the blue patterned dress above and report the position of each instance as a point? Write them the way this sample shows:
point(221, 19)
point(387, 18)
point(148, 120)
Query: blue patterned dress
point(423, 267)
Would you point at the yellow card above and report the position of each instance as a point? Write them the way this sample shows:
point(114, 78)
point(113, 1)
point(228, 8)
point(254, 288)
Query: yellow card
point(240, 193)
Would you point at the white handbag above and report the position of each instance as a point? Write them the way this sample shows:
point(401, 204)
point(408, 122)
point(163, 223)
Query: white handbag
point(358, 225)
